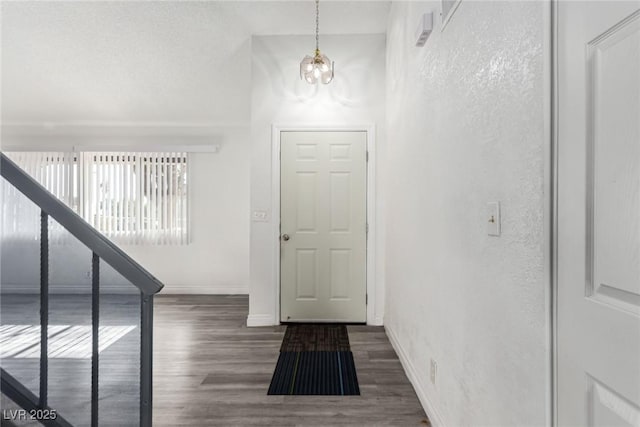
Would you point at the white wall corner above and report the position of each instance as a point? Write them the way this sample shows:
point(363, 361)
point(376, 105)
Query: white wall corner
point(414, 378)
point(260, 320)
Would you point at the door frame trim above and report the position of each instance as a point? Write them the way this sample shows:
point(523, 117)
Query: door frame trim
point(551, 100)
point(551, 159)
point(374, 316)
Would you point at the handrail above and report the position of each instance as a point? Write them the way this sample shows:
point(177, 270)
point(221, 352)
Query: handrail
point(25, 399)
point(79, 228)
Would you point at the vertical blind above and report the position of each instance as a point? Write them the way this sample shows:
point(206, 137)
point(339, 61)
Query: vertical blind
point(21, 217)
point(131, 197)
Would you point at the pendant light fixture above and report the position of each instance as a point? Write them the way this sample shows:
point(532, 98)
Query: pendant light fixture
point(318, 67)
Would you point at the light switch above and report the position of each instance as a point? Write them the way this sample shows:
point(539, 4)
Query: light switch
point(260, 216)
point(493, 219)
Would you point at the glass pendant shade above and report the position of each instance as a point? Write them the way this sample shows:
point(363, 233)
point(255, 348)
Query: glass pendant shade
point(318, 68)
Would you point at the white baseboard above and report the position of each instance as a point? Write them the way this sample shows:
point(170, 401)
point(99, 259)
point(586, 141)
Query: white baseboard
point(260, 320)
point(204, 290)
point(377, 321)
point(414, 378)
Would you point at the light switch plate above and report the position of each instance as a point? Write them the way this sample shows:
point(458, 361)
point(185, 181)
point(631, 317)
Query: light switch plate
point(493, 219)
point(260, 216)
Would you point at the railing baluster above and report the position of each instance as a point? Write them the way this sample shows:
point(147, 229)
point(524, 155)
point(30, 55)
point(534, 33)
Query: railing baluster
point(95, 323)
point(146, 360)
point(44, 308)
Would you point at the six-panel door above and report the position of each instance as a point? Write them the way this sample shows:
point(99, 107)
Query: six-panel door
point(323, 186)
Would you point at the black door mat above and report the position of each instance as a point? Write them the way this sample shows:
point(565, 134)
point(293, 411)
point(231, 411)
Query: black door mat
point(315, 359)
point(310, 337)
point(315, 373)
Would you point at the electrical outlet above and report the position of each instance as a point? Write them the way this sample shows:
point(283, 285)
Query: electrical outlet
point(434, 370)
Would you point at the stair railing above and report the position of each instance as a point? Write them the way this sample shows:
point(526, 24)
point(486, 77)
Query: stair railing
point(102, 248)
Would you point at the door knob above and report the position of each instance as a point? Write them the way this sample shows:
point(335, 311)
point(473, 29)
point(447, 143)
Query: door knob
point(285, 237)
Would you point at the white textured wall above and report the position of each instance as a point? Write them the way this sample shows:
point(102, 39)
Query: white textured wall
point(217, 259)
point(355, 97)
point(466, 127)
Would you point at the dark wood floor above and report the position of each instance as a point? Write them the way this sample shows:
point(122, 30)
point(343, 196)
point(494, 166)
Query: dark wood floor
point(210, 369)
point(69, 390)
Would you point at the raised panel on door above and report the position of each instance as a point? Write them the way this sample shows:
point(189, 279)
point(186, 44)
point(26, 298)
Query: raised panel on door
point(608, 408)
point(614, 184)
point(340, 267)
point(323, 211)
point(307, 202)
point(340, 208)
point(306, 279)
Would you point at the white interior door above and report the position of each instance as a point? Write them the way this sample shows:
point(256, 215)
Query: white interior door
point(598, 353)
point(323, 215)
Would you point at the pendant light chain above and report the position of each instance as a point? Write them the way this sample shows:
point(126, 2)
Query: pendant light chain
point(317, 68)
point(317, 26)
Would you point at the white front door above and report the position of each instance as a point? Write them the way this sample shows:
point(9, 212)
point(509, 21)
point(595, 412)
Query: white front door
point(323, 216)
point(598, 317)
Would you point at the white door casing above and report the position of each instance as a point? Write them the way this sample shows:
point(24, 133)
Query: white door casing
point(598, 214)
point(323, 214)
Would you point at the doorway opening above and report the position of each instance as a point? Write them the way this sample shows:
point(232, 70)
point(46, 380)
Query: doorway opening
point(324, 241)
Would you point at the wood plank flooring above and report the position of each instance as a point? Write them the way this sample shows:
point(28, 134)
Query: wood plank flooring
point(210, 369)
point(69, 390)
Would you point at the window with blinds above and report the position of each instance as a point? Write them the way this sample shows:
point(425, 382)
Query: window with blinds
point(131, 197)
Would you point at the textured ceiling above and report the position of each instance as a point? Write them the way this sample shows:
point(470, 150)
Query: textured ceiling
point(154, 62)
